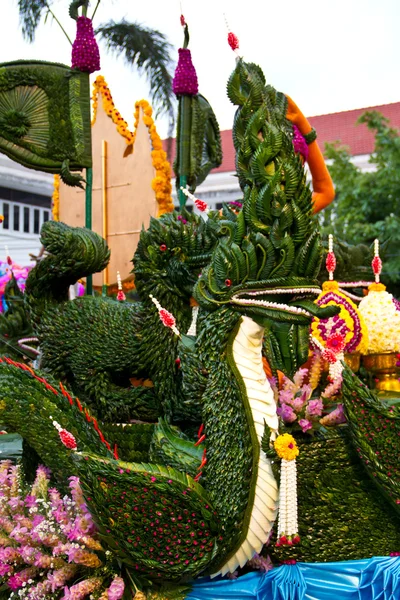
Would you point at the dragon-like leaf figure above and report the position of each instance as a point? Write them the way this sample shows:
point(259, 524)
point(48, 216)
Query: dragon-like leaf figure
point(98, 345)
point(189, 509)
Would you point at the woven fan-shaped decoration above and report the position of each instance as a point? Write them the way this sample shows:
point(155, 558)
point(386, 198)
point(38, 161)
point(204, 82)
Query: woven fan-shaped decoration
point(24, 115)
point(45, 117)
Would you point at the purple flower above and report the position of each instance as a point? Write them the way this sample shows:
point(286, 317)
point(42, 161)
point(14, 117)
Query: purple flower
point(116, 589)
point(305, 425)
point(4, 569)
point(300, 401)
point(299, 143)
point(15, 502)
point(185, 79)
point(30, 501)
point(314, 408)
point(261, 563)
point(336, 417)
point(85, 51)
point(286, 413)
point(286, 397)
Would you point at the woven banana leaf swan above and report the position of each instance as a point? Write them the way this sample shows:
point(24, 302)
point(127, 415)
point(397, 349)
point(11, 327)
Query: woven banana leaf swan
point(187, 509)
point(45, 117)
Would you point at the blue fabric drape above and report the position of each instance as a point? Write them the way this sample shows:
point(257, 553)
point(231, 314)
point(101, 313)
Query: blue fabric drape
point(375, 578)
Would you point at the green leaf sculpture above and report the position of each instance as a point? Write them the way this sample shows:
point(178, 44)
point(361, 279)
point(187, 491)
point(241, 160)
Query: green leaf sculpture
point(45, 117)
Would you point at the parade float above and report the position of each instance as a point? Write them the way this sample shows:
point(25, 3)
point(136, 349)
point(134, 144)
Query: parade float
point(199, 443)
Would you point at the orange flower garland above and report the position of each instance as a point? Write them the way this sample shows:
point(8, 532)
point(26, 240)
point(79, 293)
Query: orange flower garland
point(55, 199)
point(100, 87)
point(161, 183)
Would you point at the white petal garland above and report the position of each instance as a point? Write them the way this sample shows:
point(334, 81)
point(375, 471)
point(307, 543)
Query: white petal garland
point(287, 522)
point(288, 528)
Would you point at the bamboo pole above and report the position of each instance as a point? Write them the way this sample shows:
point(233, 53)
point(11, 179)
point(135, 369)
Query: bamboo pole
point(88, 220)
point(104, 206)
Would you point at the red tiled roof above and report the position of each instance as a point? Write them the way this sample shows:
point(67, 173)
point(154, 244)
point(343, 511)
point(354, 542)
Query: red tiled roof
point(341, 126)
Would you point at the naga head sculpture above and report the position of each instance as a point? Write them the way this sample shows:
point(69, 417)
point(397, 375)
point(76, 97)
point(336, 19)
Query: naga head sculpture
point(267, 261)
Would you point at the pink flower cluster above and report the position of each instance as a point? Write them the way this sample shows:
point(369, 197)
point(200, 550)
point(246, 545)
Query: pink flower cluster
point(299, 143)
point(295, 402)
point(297, 406)
point(185, 79)
point(85, 51)
point(48, 542)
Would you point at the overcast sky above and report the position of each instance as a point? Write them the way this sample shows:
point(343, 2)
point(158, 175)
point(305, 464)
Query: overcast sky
point(329, 56)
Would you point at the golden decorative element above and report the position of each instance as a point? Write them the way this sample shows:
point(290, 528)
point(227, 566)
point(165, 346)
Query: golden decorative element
point(384, 368)
point(349, 315)
point(353, 361)
point(55, 199)
point(140, 596)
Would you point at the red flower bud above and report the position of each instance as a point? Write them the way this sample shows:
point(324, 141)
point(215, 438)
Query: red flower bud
point(233, 41)
point(67, 439)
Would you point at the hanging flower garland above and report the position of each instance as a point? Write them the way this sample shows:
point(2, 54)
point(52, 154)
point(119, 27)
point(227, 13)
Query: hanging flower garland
point(161, 183)
point(100, 87)
point(287, 450)
point(55, 199)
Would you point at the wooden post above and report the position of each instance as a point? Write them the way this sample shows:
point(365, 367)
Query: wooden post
point(104, 206)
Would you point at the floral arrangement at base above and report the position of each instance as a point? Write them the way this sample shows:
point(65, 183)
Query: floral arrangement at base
point(48, 544)
point(381, 313)
point(304, 404)
point(382, 318)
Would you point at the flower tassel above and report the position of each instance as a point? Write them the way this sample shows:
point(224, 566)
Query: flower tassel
point(120, 296)
point(167, 319)
point(287, 450)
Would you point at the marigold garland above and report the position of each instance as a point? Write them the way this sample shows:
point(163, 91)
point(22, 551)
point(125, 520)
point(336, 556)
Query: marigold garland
point(161, 183)
point(55, 199)
point(100, 87)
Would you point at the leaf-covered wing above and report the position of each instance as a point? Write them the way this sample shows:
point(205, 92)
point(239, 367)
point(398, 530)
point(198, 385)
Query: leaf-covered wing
point(29, 405)
point(156, 519)
point(375, 431)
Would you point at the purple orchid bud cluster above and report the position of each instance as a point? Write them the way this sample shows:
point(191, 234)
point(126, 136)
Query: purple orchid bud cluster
point(185, 81)
point(48, 544)
point(85, 51)
point(299, 406)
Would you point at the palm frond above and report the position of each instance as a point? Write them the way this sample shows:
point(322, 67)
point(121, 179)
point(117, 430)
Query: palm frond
point(30, 14)
point(149, 52)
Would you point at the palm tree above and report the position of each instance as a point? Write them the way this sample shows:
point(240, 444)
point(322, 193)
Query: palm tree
point(145, 49)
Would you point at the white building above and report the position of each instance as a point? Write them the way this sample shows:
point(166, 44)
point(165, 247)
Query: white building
point(25, 203)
